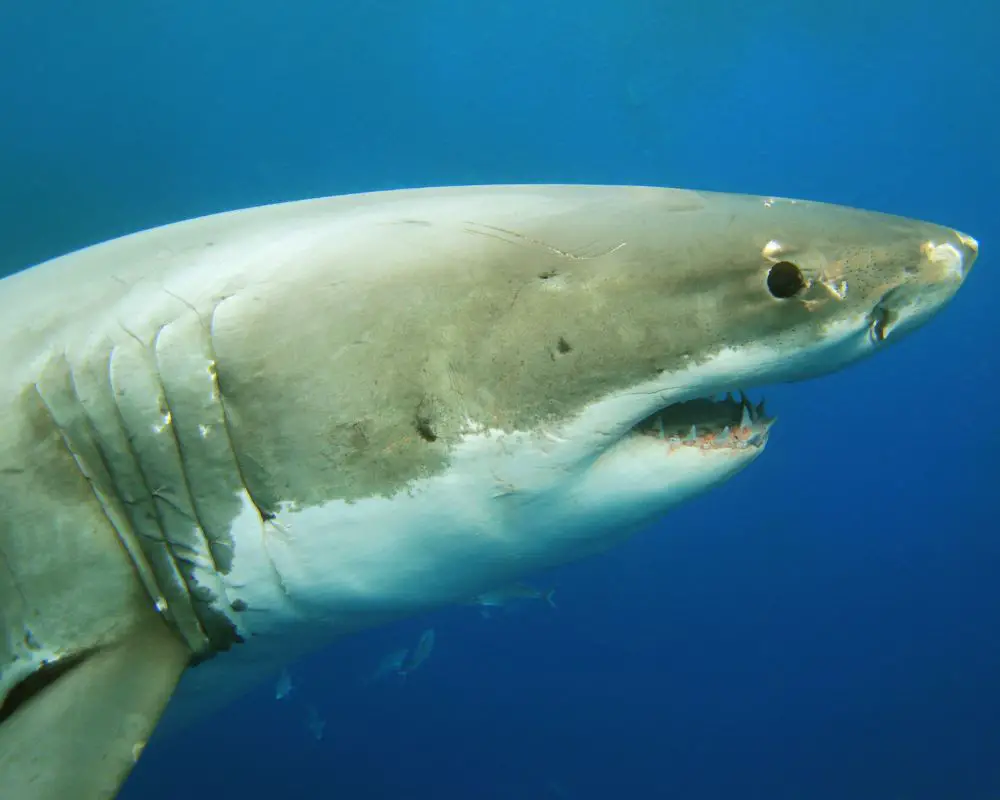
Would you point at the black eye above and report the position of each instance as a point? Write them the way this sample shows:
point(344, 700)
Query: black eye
point(785, 280)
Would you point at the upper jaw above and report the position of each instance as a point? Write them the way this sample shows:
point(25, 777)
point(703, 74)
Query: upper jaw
point(709, 423)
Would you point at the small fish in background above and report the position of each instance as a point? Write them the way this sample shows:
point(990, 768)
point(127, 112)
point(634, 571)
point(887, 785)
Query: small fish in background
point(389, 667)
point(283, 687)
point(400, 663)
point(419, 654)
point(505, 597)
point(315, 723)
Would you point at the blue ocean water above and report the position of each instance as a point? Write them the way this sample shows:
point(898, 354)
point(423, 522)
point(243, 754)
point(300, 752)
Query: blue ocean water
point(825, 625)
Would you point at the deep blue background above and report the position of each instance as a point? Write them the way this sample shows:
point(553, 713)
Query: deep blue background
point(825, 626)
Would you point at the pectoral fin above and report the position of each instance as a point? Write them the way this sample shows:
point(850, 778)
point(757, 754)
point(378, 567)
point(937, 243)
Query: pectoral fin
point(78, 732)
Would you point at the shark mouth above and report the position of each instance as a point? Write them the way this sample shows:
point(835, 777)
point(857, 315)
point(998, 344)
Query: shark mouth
point(709, 424)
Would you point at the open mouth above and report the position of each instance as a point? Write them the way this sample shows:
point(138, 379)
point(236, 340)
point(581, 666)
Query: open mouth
point(710, 424)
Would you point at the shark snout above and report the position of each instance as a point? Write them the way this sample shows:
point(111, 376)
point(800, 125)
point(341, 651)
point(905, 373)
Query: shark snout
point(969, 249)
point(948, 259)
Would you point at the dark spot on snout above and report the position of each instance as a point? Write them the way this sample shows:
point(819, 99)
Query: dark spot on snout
point(238, 605)
point(785, 280)
point(549, 273)
point(424, 429)
point(563, 346)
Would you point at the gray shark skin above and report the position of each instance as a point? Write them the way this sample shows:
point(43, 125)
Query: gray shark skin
point(226, 441)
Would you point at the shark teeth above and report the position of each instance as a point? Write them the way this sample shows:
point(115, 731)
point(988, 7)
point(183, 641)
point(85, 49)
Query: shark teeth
point(746, 420)
point(710, 423)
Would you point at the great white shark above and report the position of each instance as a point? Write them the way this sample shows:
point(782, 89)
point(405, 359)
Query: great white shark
point(228, 440)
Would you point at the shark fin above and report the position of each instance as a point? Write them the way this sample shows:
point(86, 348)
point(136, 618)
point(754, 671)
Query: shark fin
point(80, 724)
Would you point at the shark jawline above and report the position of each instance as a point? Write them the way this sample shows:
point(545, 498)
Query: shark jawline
point(709, 423)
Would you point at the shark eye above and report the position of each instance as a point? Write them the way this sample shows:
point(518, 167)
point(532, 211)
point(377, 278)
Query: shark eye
point(785, 280)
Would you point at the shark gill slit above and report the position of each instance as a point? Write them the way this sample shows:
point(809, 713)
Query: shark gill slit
point(192, 504)
point(264, 514)
point(167, 600)
point(217, 545)
point(175, 606)
point(122, 527)
point(266, 517)
point(191, 629)
point(219, 627)
point(116, 513)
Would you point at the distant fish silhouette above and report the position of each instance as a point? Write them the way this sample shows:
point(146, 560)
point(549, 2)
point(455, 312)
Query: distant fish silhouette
point(505, 596)
point(316, 724)
point(283, 687)
point(420, 653)
point(390, 666)
point(400, 663)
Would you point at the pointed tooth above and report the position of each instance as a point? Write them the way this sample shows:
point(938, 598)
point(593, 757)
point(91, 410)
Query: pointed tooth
point(727, 432)
point(761, 411)
point(663, 433)
point(693, 435)
point(730, 398)
point(746, 421)
point(743, 399)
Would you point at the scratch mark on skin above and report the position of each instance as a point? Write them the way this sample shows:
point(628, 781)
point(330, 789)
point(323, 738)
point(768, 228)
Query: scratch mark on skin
point(521, 238)
point(140, 342)
point(161, 494)
point(515, 238)
point(285, 536)
point(194, 310)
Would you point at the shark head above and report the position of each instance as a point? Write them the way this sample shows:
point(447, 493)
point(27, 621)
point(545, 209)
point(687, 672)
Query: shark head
point(722, 293)
point(229, 439)
point(467, 383)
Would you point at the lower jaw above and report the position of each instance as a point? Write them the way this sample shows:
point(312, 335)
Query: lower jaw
point(709, 423)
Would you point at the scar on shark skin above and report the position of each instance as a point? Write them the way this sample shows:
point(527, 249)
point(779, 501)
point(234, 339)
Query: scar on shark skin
point(483, 229)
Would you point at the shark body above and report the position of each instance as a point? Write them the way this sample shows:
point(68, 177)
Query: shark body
point(226, 441)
